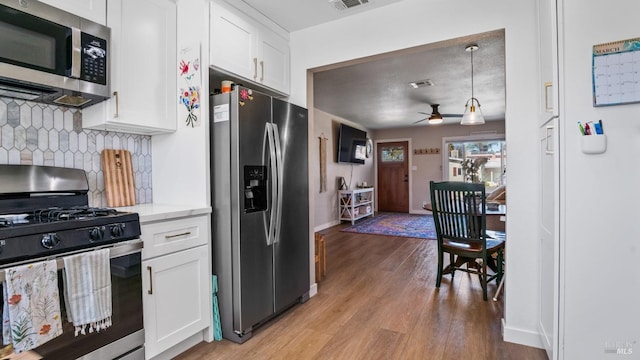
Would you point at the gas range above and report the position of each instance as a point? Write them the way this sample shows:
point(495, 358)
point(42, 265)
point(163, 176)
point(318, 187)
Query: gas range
point(45, 215)
point(55, 230)
point(45, 211)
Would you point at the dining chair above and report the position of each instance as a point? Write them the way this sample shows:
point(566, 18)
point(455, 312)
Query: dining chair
point(459, 214)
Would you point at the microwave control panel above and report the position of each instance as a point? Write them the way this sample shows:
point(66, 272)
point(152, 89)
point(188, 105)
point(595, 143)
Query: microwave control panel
point(94, 59)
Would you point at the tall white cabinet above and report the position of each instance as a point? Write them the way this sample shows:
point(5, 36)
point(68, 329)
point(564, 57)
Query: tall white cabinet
point(246, 47)
point(143, 69)
point(549, 181)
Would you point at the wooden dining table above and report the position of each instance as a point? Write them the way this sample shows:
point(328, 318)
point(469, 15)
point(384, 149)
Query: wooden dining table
point(496, 218)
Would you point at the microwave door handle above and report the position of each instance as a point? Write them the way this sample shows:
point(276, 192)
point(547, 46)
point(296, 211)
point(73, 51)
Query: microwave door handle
point(76, 53)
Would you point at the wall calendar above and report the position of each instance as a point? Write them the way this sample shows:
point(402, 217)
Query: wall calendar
point(616, 72)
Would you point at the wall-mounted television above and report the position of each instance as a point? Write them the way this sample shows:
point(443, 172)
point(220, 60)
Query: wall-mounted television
point(351, 145)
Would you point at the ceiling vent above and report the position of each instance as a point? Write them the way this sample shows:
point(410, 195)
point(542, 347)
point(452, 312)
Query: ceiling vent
point(347, 4)
point(421, 83)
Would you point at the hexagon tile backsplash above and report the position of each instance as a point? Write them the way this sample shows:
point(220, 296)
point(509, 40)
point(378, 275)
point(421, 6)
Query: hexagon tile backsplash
point(39, 134)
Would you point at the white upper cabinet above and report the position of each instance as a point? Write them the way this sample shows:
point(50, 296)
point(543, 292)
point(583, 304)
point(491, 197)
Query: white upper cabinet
point(273, 63)
point(244, 47)
point(548, 32)
point(94, 10)
point(143, 69)
point(233, 43)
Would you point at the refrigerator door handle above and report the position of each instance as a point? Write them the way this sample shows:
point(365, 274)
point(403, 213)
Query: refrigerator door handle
point(280, 180)
point(269, 224)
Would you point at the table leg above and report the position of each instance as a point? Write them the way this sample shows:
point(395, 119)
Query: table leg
point(495, 297)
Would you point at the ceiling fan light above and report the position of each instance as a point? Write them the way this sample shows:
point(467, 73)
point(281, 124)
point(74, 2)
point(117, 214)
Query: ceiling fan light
point(433, 120)
point(472, 115)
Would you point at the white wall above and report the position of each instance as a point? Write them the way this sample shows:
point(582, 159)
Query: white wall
point(411, 23)
point(600, 247)
point(181, 159)
point(326, 203)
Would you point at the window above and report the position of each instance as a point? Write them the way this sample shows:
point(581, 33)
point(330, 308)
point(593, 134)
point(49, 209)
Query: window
point(476, 159)
point(392, 154)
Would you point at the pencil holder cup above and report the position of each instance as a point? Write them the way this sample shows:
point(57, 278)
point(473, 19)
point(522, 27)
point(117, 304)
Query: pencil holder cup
point(593, 144)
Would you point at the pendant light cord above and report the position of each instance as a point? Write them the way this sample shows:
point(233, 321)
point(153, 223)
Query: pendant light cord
point(472, 96)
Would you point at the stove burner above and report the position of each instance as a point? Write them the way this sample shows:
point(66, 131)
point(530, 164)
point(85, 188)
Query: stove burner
point(73, 213)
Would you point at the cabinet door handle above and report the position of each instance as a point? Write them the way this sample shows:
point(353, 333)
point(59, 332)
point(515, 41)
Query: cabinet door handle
point(549, 139)
point(177, 235)
point(548, 88)
point(255, 68)
point(150, 291)
point(115, 94)
point(262, 69)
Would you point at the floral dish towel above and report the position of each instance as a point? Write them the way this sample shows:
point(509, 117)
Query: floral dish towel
point(31, 315)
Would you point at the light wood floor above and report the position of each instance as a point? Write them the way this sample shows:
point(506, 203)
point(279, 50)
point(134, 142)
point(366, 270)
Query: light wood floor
point(379, 301)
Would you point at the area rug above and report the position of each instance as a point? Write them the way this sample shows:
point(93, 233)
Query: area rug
point(394, 224)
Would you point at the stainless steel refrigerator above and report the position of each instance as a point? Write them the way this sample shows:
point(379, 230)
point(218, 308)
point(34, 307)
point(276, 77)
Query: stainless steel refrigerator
point(260, 200)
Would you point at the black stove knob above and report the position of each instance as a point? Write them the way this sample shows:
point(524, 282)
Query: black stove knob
point(97, 233)
point(50, 240)
point(117, 230)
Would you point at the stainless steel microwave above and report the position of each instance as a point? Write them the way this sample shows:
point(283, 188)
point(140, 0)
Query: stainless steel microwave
point(51, 56)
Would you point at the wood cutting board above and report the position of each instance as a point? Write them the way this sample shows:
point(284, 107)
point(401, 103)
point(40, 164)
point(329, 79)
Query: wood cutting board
point(118, 177)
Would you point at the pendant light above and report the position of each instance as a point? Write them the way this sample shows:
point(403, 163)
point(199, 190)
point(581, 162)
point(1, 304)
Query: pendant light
point(472, 114)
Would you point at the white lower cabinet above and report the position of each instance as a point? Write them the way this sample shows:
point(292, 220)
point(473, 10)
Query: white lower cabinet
point(176, 283)
point(175, 289)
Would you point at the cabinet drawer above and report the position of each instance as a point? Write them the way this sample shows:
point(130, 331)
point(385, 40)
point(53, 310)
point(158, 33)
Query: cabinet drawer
point(161, 238)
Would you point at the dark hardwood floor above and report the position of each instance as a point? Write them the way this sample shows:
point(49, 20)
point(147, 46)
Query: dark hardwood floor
point(379, 301)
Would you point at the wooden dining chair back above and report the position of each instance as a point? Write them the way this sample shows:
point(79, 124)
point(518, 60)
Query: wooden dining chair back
point(459, 214)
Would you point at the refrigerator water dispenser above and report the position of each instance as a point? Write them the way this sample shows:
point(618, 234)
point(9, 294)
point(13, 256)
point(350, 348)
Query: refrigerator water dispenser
point(255, 188)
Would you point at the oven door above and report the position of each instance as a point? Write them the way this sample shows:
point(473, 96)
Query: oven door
point(124, 339)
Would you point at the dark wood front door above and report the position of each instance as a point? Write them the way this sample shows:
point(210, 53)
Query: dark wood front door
point(393, 176)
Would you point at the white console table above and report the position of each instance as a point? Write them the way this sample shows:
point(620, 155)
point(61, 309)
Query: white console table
point(355, 204)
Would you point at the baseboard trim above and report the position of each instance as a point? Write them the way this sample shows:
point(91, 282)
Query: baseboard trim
point(521, 336)
point(181, 347)
point(420, 212)
point(313, 290)
point(326, 225)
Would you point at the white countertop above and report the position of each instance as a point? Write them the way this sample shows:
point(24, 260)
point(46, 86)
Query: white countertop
point(156, 212)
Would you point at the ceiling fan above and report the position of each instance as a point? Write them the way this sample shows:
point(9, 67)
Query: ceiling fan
point(435, 117)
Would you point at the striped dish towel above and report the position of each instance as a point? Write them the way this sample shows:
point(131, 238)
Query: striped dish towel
point(31, 313)
point(87, 290)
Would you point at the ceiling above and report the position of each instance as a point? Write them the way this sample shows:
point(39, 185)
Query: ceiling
point(295, 15)
point(375, 91)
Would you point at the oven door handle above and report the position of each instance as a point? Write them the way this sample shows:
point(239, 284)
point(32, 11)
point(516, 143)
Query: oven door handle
point(120, 249)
